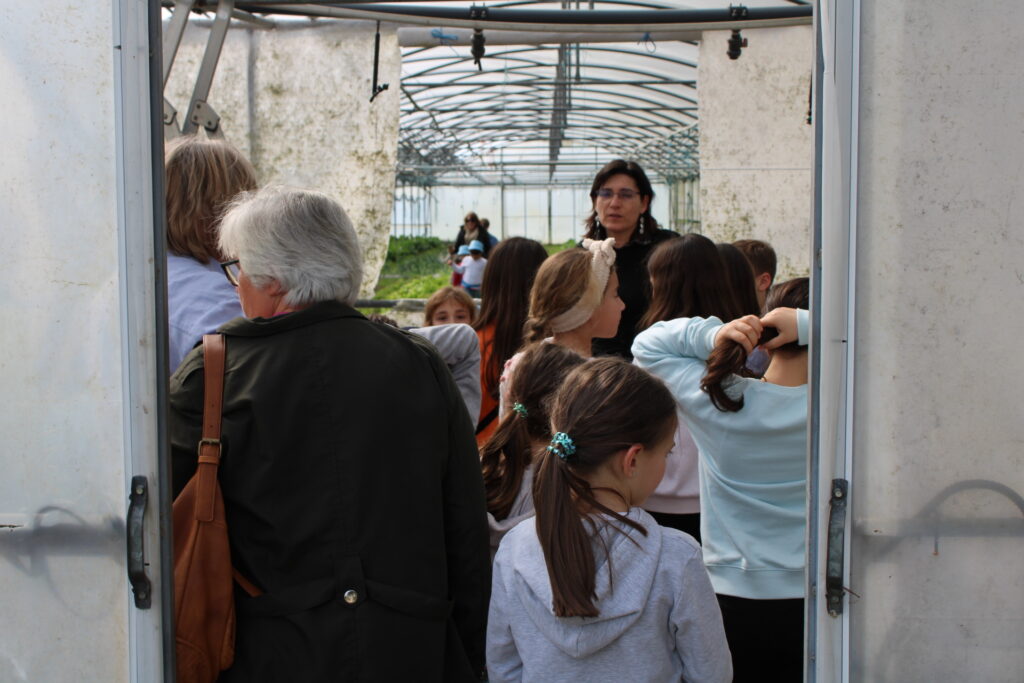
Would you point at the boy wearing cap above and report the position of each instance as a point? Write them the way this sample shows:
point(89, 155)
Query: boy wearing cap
point(472, 269)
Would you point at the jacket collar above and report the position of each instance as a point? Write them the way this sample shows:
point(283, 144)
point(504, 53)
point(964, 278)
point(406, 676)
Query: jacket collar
point(261, 327)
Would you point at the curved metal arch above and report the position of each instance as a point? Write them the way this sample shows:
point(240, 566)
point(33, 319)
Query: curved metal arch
point(667, 95)
point(642, 117)
point(504, 55)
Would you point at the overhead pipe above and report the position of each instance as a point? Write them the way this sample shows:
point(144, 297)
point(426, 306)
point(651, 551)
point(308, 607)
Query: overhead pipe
point(561, 21)
point(425, 36)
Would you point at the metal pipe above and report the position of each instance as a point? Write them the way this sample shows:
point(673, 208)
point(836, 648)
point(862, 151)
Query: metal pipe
point(572, 21)
point(420, 36)
point(175, 30)
point(536, 82)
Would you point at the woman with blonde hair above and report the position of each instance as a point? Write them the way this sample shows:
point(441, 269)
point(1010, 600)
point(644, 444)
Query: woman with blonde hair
point(574, 300)
point(201, 177)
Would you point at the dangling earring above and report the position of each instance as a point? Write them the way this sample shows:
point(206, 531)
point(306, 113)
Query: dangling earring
point(642, 223)
point(597, 226)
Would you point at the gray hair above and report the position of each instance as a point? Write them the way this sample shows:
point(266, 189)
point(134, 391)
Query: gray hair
point(300, 238)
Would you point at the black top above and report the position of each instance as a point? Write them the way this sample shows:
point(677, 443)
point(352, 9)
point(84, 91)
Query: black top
point(634, 290)
point(483, 235)
point(349, 466)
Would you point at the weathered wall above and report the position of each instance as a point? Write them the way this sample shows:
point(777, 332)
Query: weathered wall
point(938, 436)
point(296, 100)
point(756, 148)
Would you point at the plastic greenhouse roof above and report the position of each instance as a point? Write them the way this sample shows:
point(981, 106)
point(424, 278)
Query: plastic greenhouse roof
point(550, 102)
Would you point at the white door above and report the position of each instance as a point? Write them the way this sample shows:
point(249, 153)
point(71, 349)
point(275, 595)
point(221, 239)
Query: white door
point(917, 414)
point(82, 375)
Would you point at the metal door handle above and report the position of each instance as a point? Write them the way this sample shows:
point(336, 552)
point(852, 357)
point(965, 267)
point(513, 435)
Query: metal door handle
point(137, 500)
point(835, 558)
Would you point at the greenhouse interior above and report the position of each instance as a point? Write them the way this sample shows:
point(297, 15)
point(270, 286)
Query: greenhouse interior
point(413, 115)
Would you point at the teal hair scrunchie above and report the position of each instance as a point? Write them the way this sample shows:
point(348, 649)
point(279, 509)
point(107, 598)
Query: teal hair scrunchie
point(519, 409)
point(562, 445)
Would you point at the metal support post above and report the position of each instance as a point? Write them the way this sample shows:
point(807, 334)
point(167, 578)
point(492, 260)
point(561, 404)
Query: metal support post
point(200, 113)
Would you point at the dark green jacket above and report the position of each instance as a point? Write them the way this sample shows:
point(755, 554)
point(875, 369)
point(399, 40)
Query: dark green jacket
point(349, 464)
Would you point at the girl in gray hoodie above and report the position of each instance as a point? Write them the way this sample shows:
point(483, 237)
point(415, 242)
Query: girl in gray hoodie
point(592, 588)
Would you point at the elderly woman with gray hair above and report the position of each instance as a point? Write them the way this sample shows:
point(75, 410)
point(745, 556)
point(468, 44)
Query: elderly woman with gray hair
point(349, 469)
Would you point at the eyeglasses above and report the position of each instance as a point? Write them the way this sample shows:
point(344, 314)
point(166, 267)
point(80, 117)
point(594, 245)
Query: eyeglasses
point(231, 271)
point(624, 195)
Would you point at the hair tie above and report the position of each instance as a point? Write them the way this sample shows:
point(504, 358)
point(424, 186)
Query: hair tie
point(519, 409)
point(562, 445)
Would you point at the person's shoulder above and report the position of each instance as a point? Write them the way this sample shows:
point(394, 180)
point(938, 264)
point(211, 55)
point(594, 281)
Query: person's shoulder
point(662, 234)
point(522, 535)
point(678, 544)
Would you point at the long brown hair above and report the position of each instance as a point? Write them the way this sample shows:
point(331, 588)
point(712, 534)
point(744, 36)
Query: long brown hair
point(604, 406)
point(509, 275)
point(632, 169)
point(741, 279)
point(509, 451)
point(687, 280)
point(561, 281)
point(729, 358)
point(201, 177)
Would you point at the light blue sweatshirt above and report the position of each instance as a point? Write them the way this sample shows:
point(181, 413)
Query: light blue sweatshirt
point(658, 622)
point(753, 469)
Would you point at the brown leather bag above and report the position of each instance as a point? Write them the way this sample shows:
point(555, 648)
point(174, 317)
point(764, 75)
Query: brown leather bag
point(204, 603)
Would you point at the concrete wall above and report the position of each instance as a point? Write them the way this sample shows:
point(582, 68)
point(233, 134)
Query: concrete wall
point(296, 100)
point(938, 435)
point(756, 148)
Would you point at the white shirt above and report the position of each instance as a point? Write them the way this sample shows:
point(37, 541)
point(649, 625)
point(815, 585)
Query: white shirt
point(472, 270)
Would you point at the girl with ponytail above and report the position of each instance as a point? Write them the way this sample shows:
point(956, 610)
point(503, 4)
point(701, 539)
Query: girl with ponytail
point(593, 580)
point(508, 456)
point(752, 438)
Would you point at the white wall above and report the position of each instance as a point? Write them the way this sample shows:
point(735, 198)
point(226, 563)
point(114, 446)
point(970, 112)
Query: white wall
point(756, 148)
point(296, 100)
point(940, 320)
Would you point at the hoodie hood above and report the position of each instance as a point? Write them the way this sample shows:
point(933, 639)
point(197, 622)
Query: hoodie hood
point(620, 602)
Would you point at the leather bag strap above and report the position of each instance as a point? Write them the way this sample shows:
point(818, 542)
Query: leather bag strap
point(209, 445)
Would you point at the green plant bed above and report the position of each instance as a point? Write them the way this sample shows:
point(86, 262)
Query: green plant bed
point(416, 287)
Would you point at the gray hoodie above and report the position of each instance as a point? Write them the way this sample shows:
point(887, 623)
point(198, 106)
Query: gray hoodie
point(659, 620)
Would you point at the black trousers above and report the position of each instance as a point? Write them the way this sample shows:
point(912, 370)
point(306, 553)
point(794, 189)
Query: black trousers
point(687, 523)
point(766, 638)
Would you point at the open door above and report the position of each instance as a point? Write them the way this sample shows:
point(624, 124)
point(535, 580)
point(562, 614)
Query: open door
point(83, 499)
point(917, 490)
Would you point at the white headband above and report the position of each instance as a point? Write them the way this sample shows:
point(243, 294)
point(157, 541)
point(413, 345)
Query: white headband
point(601, 263)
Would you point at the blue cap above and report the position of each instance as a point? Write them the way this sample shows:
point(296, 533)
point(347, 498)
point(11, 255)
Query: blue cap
point(476, 245)
point(463, 251)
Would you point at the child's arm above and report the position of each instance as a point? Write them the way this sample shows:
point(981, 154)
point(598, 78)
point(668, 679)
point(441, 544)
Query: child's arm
point(676, 352)
point(697, 622)
point(503, 660)
point(458, 268)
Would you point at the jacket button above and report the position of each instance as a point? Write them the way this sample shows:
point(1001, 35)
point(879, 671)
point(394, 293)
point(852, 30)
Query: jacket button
point(351, 597)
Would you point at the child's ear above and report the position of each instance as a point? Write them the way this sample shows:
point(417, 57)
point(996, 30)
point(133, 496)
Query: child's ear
point(629, 460)
point(763, 282)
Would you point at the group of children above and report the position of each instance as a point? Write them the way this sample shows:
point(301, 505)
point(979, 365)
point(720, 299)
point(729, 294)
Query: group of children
point(664, 498)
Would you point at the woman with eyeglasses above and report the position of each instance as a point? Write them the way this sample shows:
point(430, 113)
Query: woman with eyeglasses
point(621, 196)
point(201, 177)
point(350, 475)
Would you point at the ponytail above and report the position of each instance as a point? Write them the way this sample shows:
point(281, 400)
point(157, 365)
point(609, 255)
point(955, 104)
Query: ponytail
point(504, 459)
point(603, 407)
point(729, 358)
point(509, 452)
